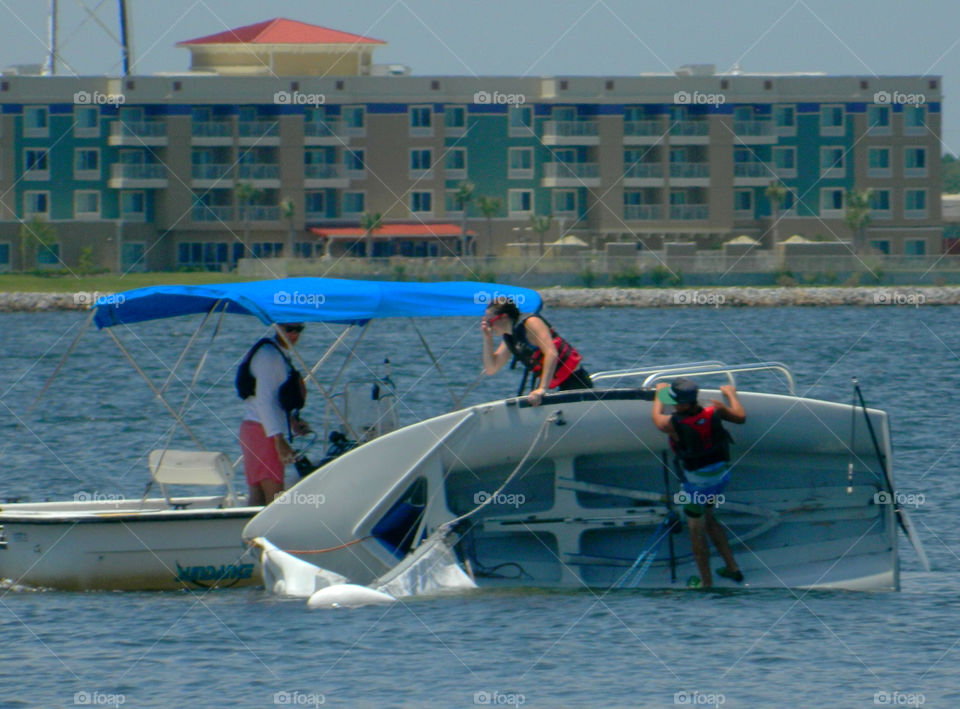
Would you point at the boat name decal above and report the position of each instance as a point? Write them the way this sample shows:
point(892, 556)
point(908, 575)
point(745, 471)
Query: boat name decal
point(194, 574)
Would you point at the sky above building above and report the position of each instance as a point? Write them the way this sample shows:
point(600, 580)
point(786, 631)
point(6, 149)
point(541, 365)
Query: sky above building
point(536, 37)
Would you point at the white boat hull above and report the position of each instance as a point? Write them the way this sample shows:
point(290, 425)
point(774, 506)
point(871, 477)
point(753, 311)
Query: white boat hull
point(126, 545)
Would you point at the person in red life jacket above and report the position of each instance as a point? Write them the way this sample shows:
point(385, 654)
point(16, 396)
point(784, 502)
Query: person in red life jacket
point(554, 363)
point(273, 393)
point(702, 444)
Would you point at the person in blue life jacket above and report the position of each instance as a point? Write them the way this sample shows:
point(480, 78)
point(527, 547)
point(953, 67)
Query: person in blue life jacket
point(529, 338)
point(698, 438)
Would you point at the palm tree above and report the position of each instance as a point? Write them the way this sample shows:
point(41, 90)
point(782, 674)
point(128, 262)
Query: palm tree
point(776, 193)
point(246, 193)
point(489, 206)
point(370, 223)
point(463, 195)
point(288, 210)
point(857, 216)
point(541, 225)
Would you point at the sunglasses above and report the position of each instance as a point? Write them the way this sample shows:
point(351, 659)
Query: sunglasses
point(293, 328)
point(491, 321)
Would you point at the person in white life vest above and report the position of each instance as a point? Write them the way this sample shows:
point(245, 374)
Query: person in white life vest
point(702, 444)
point(553, 361)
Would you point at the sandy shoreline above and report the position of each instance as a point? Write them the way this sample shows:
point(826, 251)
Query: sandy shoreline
point(624, 297)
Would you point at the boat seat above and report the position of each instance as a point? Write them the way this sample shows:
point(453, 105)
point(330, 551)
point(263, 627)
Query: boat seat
point(177, 467)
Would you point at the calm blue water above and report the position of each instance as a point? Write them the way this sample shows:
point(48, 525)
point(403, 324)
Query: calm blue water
point(529, 648)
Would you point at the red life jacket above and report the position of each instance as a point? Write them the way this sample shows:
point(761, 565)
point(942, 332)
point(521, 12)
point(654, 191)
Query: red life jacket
point(568, 359)
point(701, 439)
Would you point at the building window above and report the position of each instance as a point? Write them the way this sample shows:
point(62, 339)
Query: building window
point(354, 120)
point(881, 245)
point(455, 119)
point(914, 120)
point(915, 203)
point(785, 162)
point(4, 256)
point(743, 202)
point(520, 163)
point(86, 204)
point(86, 164)
point(831, 162)
point(133, 206)
point(266, 249)
point(521, 121)
point(421, 202)
point(451, 204)
point(36, 164)
point(831, 202)
point(36, 204)
point(785, 120)
point(831, 120)
point(35, 122)
point(353, 203)
point(86, 122)
point(520, 203)
point(878, 120)
point(565, 203)
point(456, 163)
point(880, 204)
point(915, 162)
point(878, 162)
point(915, 247)
point(420, 163)
point(353, 160)
point(421, 120)
point(48, 255)
point(315, 205)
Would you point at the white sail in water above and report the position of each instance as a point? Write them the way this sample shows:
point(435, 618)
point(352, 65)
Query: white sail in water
point(431, 568)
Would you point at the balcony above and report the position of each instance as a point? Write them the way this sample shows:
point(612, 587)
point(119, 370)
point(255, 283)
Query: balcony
point(211, 133)
point(324, 176)
point(138, 133)
point(212, 175)
point(642, 212)
point(213, 213)
point(644, 174)
point(325, 132)
point(752, 174)
point(259, 213)
point(690, 132)
point(689, 212)
point(754, 132)
point(571, 174)
point(259, 132)
point(138, 175)
point(259, 174)
point(690, 174)
point(915, 171)
point(571, 133)
point(878, 171)
point(648, 132)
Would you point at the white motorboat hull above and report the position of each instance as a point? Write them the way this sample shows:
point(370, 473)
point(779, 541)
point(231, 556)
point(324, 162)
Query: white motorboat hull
point(126, 545)
point(593, 494)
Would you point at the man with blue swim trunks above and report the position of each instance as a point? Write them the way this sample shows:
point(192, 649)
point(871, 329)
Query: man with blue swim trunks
point(702, 444)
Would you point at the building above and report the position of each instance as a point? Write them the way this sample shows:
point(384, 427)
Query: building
point(283, 130)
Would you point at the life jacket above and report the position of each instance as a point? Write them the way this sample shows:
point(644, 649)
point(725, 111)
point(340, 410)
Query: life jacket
point(702, 439)
point(292, 393)
point(568, 359)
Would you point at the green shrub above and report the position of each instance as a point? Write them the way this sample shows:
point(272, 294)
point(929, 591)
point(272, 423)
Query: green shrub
point(588, 277)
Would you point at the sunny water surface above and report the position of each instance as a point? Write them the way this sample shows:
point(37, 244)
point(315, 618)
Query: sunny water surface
point(539, 648)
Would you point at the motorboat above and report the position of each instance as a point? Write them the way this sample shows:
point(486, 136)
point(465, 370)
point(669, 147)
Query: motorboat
point(174, 540)
point(583, 491)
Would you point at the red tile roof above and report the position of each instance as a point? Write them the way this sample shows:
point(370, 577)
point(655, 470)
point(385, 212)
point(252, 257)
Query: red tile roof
point(391, 231)
point(282, 31)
